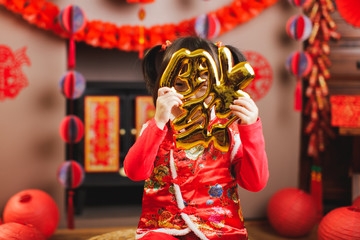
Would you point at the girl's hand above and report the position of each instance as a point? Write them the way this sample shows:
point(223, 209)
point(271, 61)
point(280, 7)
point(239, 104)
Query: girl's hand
point(167, 99)
point(246, 110)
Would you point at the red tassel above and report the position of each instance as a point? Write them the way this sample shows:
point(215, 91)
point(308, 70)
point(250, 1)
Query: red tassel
point(71, 56)
point(297, 100)
point(70, 210)
point(316, 190)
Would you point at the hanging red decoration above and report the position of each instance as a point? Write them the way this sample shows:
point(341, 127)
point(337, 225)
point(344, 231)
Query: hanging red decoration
point(349, 10)
point(71, 129)
point(299, 3)
point(72, 19)
point(207, 26)
point(12, 78)
point(72, 84)
point(107, 35)
point(71, 175)
point(35, 207)
point(299, 27)
point(316, 109)
point(262, 83)
point(340, 223)
point(299, 64)
point(18, 231)
point(292, 212)
point(141, 15)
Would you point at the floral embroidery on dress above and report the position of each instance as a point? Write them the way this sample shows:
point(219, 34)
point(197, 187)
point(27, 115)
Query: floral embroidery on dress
point(216, 191)
point(157, 179)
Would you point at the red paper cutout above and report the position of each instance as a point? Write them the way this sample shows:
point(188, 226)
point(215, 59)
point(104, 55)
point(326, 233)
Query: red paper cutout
point(12, 79)
point(260, 86)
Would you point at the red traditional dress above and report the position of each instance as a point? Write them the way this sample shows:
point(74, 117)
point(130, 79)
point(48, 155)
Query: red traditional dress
point(195, 190)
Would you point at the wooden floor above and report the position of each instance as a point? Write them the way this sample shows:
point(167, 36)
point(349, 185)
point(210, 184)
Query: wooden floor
point(258, 230)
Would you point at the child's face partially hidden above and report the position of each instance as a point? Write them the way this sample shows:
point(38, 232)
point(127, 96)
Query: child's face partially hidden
point(183, 86)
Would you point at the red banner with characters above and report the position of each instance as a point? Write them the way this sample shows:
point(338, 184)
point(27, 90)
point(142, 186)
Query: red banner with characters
point(101, 134)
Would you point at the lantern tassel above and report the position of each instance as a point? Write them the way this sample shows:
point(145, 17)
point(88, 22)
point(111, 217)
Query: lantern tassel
point(298, 95)
point(71, 56)
point(70, 210)
point(316, 190)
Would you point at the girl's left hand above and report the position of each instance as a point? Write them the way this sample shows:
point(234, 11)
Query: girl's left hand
point(246, 110)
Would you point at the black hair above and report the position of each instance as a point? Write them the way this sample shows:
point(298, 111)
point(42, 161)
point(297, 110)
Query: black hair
point(156, 59)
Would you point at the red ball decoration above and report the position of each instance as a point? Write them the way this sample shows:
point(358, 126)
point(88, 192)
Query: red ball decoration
point(207, 26)
point(349, 10)
point(70, 174)
point(299, 63)
point(299, 3)
point(18, 231)
point(33, 207)
point(292, 212)
point(72, 84)
point(341, 223)
point(299, 27)
point(72, 19)
point(356, 202)
point(71, 129)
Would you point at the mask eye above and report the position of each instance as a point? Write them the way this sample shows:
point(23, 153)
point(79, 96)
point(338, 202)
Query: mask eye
point(180, 85)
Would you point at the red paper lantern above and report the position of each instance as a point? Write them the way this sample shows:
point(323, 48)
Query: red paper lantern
point(72, 84)
point(356, 202)
point(71, 129)
point(349, 10)
point(72, 19)
point(18, 231)
point(299, 27)
point(33, 207)
point(70, 174)
point(207, 26)
point(299, 63)
point(292, 212)
point(340, 223)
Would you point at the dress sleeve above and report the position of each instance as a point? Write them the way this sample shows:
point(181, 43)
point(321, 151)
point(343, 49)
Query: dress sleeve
point(139, 161)
point(250, 163)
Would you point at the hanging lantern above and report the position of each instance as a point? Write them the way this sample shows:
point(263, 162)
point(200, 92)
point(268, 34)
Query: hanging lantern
point(72, 84)
point(299, 3)
point(33, 207)
point(72, 19)
point(299, 27)
point(70, 174)
point(340, 223)
point(207, 26)
point(299, 63)
point(18, 231)
point(141, 16)
point(71, 129)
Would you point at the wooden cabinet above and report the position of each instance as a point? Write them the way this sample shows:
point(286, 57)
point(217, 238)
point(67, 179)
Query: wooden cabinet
point(109, 188)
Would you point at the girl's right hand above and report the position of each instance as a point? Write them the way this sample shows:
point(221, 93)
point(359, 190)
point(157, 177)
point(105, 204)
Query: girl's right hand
point(167, 99)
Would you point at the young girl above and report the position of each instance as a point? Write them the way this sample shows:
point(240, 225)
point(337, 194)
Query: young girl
point(192, 193)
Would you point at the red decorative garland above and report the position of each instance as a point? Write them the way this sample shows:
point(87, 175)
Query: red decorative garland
point(97, 33)
point(317, 107)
